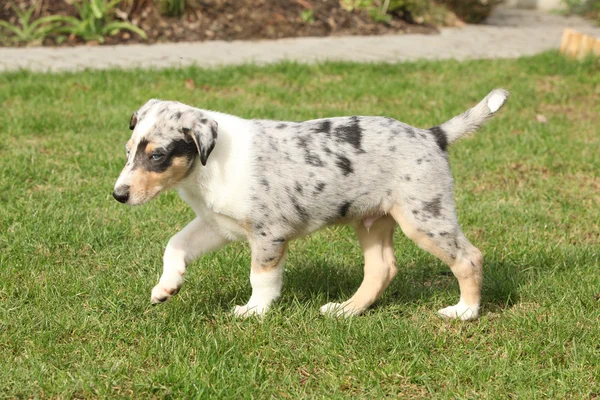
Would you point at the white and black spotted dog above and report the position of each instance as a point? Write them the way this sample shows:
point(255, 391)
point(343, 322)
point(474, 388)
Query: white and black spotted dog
point(270, 182)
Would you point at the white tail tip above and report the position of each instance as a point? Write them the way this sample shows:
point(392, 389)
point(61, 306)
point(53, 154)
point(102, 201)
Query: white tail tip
point(496, 99)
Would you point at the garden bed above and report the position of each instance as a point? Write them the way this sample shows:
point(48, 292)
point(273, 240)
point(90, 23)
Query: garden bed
point(231, 20)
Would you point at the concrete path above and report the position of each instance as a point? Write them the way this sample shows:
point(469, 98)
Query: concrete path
point(507, 33)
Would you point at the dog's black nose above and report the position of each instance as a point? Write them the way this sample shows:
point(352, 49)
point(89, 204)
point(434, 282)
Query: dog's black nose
point(121, 194)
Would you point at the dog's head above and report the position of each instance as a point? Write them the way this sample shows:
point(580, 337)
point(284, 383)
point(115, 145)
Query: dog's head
point(168, 138)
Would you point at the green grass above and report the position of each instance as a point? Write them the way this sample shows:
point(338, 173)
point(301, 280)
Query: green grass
point(76, 267)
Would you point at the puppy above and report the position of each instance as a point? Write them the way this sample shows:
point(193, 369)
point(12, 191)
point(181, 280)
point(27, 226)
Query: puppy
point(272, 181)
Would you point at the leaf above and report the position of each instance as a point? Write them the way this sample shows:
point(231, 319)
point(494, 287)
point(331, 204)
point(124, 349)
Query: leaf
point(14, 29)
point(96, 9)
point(124, 25)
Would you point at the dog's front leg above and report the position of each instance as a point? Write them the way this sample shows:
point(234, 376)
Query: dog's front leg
point(266, 275)
point(197, 238)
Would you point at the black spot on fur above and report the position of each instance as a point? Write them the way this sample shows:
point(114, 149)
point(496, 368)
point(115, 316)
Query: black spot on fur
point(273, 144)
point(265, 183)
point(443, 233)
point(301, 211)
point(320, 186)
point(278, 240)
point(410, 132)
point(407, 178)
point(303, 141)
point(440, 137)
point(313, 159)
point(350, 133)
point(419, 161)
point(263, 234)
point(392, 149)
point(323, 127)
point(281, 126)
point(344, 164)
point(267, 260)
point(433, 207)
point(298, 188)
point(344, 208)
point(430, 234)
point(176, 115)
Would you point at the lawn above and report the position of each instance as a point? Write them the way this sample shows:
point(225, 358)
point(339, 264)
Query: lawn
point(76, 267)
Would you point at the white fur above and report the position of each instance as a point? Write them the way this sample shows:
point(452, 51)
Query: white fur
point(266, 288)
point(496, 100)
point(220, 190)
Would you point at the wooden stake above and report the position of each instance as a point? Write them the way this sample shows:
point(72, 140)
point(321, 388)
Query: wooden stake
point(577, 45)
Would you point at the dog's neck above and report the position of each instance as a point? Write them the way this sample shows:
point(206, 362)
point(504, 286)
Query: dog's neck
point(220, 185)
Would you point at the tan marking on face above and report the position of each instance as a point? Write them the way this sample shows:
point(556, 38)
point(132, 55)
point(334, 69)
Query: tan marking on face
point(150, 147)
point(146, 185)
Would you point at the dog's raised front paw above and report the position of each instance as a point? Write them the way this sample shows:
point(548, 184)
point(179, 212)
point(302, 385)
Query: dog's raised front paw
point(340, 310)
point(160, 294)
point(462, 311)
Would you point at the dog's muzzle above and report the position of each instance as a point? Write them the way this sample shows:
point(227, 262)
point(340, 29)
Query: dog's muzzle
point(121, 194)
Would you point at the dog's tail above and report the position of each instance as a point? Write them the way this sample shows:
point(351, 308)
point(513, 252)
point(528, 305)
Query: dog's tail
point(471, 119)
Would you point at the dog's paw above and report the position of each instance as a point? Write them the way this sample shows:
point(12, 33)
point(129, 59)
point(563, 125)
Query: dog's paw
point(249, 310)
point(160, 294)
point(462, 311)
point(339, 310)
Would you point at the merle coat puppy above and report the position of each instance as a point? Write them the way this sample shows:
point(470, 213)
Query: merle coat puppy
point(272, 181)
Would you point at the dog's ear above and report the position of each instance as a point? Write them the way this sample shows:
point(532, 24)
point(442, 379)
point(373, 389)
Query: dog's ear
point(203, 132)
point(133, 121)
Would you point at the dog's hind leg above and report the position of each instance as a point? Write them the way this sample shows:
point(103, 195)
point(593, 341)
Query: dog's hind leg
point(266, 275)
point(434, 227)
point(195, 239)
point(380, 268)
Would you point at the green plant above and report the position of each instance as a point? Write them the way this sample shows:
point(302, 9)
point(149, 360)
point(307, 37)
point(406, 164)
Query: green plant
point(96, 21)
point(30, 31)
point(172, 8)
point(307, 16)
point(587, 8)
point(471, 11)
point(351, 5)
point(411, 10)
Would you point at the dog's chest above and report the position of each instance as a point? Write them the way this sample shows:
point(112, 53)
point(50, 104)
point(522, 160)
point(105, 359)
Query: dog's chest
point(225, 225)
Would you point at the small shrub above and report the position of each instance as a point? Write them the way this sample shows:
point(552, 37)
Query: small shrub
point(96, 21)
point(471, 11)
point(172, 8)
point(420, 11)
point(27, 31)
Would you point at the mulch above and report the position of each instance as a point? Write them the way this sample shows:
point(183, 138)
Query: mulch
point(231, 20)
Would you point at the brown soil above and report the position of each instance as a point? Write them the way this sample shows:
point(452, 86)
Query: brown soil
point(230, 20)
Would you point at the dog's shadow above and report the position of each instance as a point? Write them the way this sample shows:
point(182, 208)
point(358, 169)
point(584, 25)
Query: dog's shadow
point(314, 282)
point(417, 283)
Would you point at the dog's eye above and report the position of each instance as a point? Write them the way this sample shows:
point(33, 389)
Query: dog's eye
point(156, 156)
